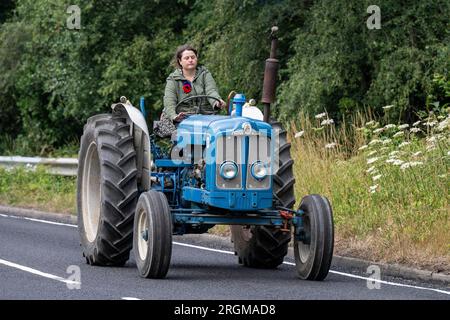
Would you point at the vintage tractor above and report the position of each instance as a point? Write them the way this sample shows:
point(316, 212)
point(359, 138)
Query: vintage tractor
point(233, 169)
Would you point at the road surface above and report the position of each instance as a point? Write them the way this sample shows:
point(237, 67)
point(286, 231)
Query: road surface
point(42, 260)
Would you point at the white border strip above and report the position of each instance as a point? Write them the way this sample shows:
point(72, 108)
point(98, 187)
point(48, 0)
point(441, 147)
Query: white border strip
point(39, 220)
point(331, 271)
point(380, 281)
point(202, 248)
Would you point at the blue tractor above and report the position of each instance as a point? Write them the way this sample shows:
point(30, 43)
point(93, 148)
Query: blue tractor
point(233, 169)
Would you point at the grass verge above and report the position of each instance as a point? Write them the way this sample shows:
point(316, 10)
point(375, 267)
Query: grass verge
point(389, 191)
point(38, 190)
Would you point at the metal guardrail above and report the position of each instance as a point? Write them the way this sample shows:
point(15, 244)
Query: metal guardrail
point(57, 166)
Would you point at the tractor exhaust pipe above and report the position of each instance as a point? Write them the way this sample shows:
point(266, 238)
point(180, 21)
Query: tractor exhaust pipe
point(270, 75)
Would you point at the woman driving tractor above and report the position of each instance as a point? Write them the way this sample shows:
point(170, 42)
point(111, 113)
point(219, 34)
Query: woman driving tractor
point(190, 86)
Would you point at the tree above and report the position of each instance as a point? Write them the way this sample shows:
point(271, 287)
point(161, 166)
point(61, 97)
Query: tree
point(53, 78)
point(339, 65)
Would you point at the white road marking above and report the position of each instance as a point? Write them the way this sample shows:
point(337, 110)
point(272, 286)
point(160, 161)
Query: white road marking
point(37, 272)
point(39, 220)
point(380, 281)
point(130, 298)
point(202, 248)
point(231, 252)
point(331, 271)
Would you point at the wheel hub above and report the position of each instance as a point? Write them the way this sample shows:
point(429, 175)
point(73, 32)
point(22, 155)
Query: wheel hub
point(304, 244)
point(143, 232)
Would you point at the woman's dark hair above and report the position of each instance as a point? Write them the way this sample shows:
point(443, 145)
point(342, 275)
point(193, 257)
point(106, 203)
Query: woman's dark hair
point(179, 53)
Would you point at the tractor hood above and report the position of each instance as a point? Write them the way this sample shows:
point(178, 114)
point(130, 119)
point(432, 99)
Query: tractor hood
point(196, 126)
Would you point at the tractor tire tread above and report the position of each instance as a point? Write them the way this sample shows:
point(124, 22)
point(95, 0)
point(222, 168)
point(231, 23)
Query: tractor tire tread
point(116, 154)
point(267, 246)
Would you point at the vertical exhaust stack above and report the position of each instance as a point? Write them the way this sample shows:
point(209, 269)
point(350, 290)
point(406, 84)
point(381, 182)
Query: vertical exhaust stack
point(270, 76)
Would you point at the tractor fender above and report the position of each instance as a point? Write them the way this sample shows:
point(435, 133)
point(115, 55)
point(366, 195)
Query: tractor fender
point(141, 141)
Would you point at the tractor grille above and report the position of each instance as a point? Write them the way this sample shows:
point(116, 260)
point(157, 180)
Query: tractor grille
point(259, 150)
point(231, 148)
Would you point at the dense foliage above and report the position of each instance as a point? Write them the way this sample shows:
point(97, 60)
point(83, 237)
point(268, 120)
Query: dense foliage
point(52, 78)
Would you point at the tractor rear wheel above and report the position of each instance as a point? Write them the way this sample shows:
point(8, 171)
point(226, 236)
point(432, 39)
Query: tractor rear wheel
point(152, 244)
point(313, 255)
point(263, 246)
point(106, 190)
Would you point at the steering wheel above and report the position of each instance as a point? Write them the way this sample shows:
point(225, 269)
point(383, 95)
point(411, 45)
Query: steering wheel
point(194, 103)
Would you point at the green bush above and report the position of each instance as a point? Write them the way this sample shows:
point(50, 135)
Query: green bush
point(339, 62)
point(52, 78)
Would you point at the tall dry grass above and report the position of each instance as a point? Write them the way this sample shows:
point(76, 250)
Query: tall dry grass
point(388, 185)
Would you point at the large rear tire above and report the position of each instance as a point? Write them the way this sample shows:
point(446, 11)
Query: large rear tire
point(314, 254)
point(106, 190)
point(152, 244)
point(262, 246)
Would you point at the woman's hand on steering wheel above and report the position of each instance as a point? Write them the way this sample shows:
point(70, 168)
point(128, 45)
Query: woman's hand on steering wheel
point(181, 116)
point(220, 104)
point(196, 101)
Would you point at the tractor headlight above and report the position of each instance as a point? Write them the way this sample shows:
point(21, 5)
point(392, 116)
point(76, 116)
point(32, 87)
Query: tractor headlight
point(228, 170)
point(259, 170)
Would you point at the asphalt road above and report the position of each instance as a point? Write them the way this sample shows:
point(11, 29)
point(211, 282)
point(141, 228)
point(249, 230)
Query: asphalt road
point(35, 258)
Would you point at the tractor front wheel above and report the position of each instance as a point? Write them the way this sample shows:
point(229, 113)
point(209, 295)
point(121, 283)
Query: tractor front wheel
point(314, 252)
point(152, 244)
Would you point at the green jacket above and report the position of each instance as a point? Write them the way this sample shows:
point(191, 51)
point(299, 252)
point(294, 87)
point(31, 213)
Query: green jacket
point(203, 84)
